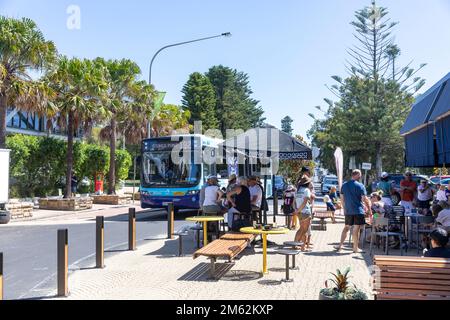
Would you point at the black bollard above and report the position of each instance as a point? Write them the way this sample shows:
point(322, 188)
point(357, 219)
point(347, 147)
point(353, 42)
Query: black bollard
point(1, 275)
point(170, 219)
point(132, 229)
point(99, 242)
point(63, 262)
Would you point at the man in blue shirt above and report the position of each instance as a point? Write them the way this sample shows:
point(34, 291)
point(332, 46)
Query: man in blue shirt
point(353, 194)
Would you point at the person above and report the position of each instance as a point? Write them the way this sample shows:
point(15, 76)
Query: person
point(354, 194)
point(303, 211)
point(334, 198)
point(443, 216)
point(424, 197)
point(255, 193)
point(231, 182)
point(439, 239)
point(74, 185)
point(288, 205)
point(330, 207)
point(441, 194)
point(239, 200)
point(386, 186)
point(211, 201)
point(408, 190)
point(213, 195)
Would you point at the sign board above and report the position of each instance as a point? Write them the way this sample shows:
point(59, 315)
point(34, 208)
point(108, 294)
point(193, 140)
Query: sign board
point(4, 175)
point(366, 166)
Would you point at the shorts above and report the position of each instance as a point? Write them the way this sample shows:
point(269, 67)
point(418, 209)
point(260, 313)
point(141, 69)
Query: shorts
point(330, 206)
point(304, 215)
point(355, 220)
point(423, 204)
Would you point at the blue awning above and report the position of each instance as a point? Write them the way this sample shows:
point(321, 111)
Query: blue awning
point(443, 140)
point(442, 105)
point(420, 148)
point(431, 105)
point(419, 112)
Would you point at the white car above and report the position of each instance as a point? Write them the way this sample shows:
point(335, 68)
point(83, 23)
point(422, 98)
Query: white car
point(328, 182)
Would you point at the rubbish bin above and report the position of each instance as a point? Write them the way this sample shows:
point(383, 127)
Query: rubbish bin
point(99, 184)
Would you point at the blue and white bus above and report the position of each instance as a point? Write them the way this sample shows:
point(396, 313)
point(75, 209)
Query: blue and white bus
point(171, 173)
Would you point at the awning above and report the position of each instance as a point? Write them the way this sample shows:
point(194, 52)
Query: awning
point(419, 147)
point(443, 140)
point(268, 142)
point(427, 128)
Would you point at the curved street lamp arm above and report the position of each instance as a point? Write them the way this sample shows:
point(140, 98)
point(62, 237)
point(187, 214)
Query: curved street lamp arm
point(179, 44)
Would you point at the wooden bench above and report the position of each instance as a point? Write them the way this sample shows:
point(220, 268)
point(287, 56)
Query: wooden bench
point(411, 278)
point(322, 215)
point(228, 246)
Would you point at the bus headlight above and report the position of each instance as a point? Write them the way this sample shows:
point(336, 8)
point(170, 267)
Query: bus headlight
point(193, 192)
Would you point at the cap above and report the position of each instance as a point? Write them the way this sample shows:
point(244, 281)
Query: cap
point(385, 175)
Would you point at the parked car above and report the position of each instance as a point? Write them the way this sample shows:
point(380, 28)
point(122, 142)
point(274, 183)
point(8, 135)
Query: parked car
point(445, 181)
point(437, 179)
point(328, 182)
point(280, 185)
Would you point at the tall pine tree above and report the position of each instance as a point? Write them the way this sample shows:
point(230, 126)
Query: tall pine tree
point(199, 98)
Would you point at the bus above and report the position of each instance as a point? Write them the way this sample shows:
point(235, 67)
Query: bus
point(175, 168)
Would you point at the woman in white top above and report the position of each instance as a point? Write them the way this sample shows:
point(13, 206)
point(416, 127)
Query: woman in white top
point(213, 196)
point(443, 217)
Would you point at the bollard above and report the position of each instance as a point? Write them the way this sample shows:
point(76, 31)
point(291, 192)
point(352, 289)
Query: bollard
point(132, 229)
point(275, 207)
point(170, 218)
point(1, 276)
point(63, 262)
point(99, 242)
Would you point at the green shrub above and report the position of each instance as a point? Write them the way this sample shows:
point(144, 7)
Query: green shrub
point(38, 165)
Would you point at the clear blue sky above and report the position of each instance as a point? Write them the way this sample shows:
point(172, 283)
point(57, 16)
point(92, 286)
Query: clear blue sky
point(289, 48)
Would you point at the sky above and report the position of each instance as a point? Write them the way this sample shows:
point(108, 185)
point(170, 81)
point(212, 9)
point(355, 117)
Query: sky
point(289, 48)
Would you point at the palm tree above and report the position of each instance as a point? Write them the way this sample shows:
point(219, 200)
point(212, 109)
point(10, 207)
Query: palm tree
point(22, 48)
point(80, 87)
point(121, 77)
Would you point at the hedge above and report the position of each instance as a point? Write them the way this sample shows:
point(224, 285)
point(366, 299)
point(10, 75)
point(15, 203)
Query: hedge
point(38, 164)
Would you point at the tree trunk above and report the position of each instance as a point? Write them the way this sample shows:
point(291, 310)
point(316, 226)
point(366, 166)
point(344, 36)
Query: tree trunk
point(379, 159)
point(68, 193)
point(112, 157)
point(3, 111)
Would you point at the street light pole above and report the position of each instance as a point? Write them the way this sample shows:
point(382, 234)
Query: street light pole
point(226, 34)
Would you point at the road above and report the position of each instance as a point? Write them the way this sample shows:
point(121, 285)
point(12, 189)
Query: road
point(29, 249)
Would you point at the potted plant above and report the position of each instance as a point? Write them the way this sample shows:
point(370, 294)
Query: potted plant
point(342, 290)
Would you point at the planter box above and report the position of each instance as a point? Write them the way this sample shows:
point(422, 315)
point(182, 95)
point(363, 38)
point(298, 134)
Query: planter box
point(72, 204)
point(20, 210)
point(137, 195)
point(112, 199)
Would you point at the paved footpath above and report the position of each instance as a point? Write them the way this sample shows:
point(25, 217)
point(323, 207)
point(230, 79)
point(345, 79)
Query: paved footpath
point(154, 272)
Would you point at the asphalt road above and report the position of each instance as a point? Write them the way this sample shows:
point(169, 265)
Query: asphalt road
point(30, 250)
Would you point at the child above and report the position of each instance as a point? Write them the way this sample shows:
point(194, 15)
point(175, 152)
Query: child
point(289, 204)
point(439, 239)
point(330, 206)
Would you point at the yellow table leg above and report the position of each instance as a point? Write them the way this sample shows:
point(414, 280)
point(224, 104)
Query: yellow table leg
point(264, 239)
point(205, 233)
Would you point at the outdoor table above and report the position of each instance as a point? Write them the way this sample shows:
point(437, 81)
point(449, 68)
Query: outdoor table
point(205, 220)
point(408, 223)
point(264, 234)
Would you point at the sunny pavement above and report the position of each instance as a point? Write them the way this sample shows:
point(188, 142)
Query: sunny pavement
point(155, 272)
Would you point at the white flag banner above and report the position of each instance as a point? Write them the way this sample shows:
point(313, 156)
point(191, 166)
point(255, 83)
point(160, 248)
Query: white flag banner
point(339, 157)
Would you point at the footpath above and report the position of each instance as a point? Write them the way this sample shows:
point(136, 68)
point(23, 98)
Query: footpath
point(154, 271)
